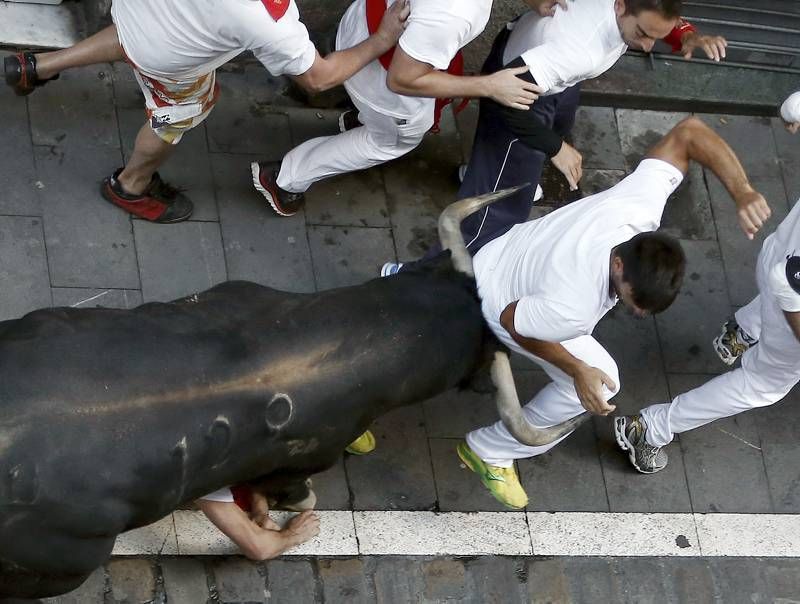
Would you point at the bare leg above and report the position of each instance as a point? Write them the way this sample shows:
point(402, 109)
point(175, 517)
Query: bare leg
point(102, 47)
point(149, 152)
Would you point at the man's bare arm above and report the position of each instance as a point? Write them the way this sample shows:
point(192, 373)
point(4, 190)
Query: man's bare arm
point(254, 541)
point(588, 380)
point(690, 140)
point(414, 78)
point(338, 66)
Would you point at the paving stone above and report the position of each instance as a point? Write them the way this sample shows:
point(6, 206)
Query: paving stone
point(782, 580)
point(457, 488)
point(291, 581)
point(497, 580)
point(415, 203)
point(779, 432)
point(398, 474)
point(331, 488)
point(789, 158)
point(260, 246)
point(17, 172)
point(724, 464)
point(348, 255)
point(687, 213)
point(133, 581)
point(77, 111)
point(306, 124)
point(691, 580)
point(444, 580)
point(596, 137)
point(572, 580)
point(751, 138)
point(398, 579)
point(189, 166)
point(96, 298)
point(243, 120)
point(239, 581)
point(454, 413)
point(547, 582)
point(569, 477)
point(92, 591)
point(467, 123)
point(687, 328)
point(597, 181)
point(89, 241)
point(157, 538)
point(177, 260)
point(24, 266)
point(357, 199)
point(739, 254)
point(185, 581)
point(739, 581)
point(642, 580)
point(345, 581)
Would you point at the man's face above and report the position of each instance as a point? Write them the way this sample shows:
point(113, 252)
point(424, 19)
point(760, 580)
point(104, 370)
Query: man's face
point(641, 31)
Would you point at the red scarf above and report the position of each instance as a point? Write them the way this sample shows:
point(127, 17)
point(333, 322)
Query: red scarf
point(276, 8)
point(375, 11)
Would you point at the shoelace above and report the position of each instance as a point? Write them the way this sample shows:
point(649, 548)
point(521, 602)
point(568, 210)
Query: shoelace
point(165, 190)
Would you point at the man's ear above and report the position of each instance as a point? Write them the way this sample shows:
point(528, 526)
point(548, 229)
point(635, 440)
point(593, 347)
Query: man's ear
point(617, 265)
point(619, 7)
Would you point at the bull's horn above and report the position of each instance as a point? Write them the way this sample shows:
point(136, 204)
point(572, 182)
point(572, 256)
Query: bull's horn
point(450, 225)
point(511, 411)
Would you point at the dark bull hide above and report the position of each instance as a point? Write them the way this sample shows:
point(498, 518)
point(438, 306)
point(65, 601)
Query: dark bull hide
point(110, 419)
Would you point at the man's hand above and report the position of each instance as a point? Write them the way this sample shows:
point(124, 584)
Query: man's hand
point(589, 386)
point(507, 89)
point(568, 161)
point(752, 211)
point(546, 8)
point(713, 46)
point(394, 23)
point(301, 528)
point(791, 127)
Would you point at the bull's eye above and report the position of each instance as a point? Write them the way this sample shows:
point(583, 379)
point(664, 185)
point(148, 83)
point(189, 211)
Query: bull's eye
point(279, 411)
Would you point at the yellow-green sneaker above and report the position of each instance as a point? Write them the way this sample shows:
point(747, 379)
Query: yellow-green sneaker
point(502, 483)
point(362, 445)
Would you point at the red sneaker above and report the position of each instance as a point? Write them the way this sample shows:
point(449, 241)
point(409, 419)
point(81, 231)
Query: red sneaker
point(20, 73)
point(160, 202)
point(265, 175)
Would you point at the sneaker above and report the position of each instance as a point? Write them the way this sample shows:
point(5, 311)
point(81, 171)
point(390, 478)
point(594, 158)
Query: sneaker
point(362, 445)
point(462, 172)
point(391, 268)
point(349, 120)
point(630, 431)
point(502, 483)
point(160, 202)
point(20, 73)
point(732, 342)
point(265, 175)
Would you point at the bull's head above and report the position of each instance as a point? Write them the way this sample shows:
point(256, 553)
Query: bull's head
point(507, 401)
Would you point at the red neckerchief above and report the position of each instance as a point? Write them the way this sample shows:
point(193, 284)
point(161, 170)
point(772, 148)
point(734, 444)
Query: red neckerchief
point(276, 8)
point(243, 495)
point(375, 11)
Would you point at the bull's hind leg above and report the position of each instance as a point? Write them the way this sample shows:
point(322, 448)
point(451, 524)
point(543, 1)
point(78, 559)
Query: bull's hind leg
point(17, 583)
point(288, 491)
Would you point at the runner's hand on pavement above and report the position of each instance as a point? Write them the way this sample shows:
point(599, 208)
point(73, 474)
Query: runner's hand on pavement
point(394, 22)
point(301, 528)
point(589, 386)
point(507, 89)
point(569, 161)
point(752, 211)
point(546, 8)
point(713, 46)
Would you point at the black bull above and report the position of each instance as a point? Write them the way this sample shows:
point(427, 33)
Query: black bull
point(110, 419)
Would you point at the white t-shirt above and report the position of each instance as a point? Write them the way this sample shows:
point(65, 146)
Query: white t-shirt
point(558, 266)
point(778, 248)
point(436, 30)
point(185, 39)
point(574, 45)
point(224, 495)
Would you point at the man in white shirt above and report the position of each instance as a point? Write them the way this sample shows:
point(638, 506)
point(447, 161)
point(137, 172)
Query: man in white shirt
point(395, 105)
point(765, 334)
point(546, 283)
point(174, 48)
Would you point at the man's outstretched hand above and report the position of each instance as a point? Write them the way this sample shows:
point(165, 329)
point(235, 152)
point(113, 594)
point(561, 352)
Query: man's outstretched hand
point(713, 46)
point(752, 212)
point(546, 8)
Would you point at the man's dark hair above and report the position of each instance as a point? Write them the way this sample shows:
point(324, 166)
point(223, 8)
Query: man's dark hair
point(667, 8)
point(653, 265)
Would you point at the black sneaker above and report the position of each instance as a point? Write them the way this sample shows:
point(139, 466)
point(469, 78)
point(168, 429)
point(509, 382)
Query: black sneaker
point(20, 73)
point(160, 202)
point(349, 120)
point(265, 175)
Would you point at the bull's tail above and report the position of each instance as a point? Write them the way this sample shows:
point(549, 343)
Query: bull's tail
point(450, 226)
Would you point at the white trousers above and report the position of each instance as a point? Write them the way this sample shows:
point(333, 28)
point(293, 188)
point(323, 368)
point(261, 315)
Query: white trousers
point(381, 139)
point(553, 404)
point(768, 371)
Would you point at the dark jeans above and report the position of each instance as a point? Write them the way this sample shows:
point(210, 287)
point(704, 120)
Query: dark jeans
point(499, 160)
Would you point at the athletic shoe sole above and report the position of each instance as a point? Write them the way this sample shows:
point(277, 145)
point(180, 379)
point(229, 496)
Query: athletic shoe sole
point(722, 351)
point(391, 268)
point(255, 170)
point(476, 465)
point(106, 192)
point(622, 440)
